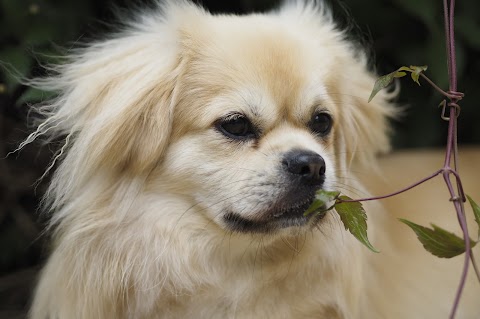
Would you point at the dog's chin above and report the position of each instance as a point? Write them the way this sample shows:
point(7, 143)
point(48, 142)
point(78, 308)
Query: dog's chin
point(275, 220)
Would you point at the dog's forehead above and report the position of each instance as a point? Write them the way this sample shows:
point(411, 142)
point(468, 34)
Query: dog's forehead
point(280, 71)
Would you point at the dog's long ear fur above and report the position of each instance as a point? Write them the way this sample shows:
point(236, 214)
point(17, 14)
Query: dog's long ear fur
point(116, 99)
point(364, 126)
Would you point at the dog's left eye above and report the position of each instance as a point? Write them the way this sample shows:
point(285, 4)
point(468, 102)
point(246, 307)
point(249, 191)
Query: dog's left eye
point(321, 123)
point(236, 127)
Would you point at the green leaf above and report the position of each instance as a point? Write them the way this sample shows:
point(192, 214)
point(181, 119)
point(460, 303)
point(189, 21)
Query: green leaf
point(476, 212)
point(438, 241)
point(322, 198)
point(416, 70)
point(405, 68)
point(384, 81)
point(354, 219)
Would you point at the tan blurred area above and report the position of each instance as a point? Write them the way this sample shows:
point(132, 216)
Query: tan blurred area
point(403, 264)
point(429, 202)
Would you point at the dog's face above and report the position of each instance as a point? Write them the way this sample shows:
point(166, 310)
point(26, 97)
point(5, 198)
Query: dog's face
point(245, 117)
point(255, 131)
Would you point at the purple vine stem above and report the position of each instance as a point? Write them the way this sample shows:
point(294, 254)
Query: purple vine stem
point(449, 13)
point(458, 198)
point(423, 180)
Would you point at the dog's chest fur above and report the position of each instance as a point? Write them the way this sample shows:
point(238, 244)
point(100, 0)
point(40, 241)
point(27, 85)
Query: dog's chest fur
point(256, 290)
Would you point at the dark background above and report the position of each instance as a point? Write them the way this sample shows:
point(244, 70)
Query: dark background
point(395, 32)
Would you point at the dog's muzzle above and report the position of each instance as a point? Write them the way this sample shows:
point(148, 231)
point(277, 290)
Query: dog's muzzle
point(304, 173)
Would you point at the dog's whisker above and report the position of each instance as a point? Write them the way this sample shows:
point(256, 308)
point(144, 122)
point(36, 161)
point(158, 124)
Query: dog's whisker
point(289, 245)
point(216, 203)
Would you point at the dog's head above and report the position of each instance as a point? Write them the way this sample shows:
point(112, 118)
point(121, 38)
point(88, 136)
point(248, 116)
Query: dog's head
point(245, 117)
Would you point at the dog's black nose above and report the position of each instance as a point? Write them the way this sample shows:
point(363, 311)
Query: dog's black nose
point(306, 164)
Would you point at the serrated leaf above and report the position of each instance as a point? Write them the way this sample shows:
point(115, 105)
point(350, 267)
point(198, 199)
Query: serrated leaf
point(322, 198)
point(416, 70)
point(476, 212)
point(384, 81)
point(438, 241)
point(354, 219)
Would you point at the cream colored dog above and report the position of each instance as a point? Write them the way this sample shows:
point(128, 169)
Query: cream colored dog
point(194, 143)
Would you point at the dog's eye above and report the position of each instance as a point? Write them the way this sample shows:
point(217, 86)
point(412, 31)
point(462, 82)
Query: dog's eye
point(237, 127)
point(321, 124)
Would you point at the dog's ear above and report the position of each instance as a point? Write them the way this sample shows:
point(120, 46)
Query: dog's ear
point(131, 114)
point(117, 96)
point(363, 130)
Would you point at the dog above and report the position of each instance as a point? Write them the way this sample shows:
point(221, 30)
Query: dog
point(193, 145)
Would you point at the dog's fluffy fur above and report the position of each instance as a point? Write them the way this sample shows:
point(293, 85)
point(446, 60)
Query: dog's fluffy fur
point(158, 213)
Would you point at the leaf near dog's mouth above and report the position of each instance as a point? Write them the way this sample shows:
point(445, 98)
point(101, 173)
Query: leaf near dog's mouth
point(351, 213)
point(323, 202)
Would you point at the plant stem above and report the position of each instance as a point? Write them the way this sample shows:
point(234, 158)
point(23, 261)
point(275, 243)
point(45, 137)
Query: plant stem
point(423, 180)
point(438, 89)
point(449, 10)
point(451, 41)
point(475, 267)
point(451, 151)
point(447, 35)
point(463, 224)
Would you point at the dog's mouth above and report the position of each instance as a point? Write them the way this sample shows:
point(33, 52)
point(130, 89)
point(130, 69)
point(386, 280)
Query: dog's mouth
point(278, 217)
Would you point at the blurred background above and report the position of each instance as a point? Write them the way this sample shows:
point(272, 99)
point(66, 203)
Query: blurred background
point(32, 33)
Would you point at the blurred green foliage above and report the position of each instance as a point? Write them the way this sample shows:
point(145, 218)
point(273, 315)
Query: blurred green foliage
point(411, 32)
point(30, 32)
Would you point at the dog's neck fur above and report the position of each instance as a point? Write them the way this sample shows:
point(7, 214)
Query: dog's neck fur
point(194, 262)
point(241, 269)
point(180, 263)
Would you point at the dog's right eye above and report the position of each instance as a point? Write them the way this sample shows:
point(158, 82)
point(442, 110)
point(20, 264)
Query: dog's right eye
point(236, 127)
